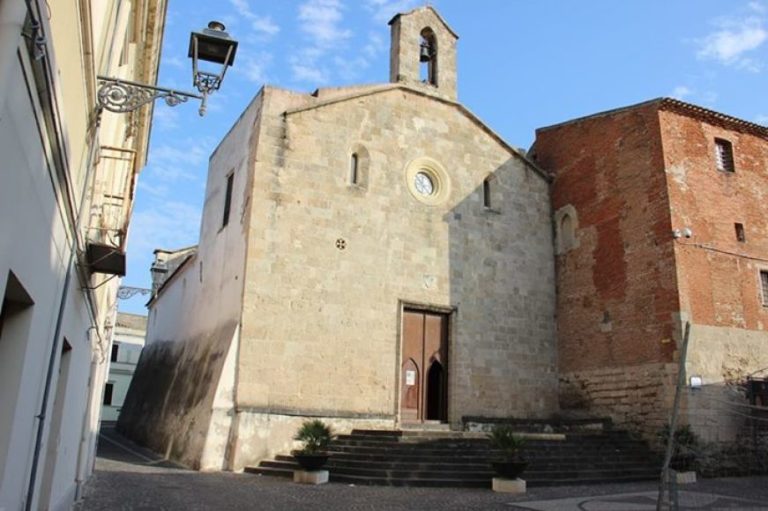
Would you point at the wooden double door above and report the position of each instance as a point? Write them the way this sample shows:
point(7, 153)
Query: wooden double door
point(424, 370)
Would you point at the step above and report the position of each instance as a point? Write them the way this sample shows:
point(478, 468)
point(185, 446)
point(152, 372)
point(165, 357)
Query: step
point(460, 459)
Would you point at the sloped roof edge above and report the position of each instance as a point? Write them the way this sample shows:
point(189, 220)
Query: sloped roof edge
point(468, 113)
point(676, 105)
point(439, 17)
point(171, 277)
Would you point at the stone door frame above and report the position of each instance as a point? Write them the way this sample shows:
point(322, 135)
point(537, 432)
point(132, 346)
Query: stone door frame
point(450, 312)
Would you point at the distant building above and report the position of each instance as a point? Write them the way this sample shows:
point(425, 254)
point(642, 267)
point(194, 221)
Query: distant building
point(372, 255)
point(127, 342)
point(67, 181)
point(661, 218)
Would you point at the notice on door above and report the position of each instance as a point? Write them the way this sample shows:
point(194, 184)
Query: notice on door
point(410, 377)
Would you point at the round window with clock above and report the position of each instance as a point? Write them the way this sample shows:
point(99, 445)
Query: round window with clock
point(423, 183)
point(427, 181)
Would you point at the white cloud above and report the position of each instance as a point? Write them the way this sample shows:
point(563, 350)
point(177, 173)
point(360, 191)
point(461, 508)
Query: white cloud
point(243, 8)
point(680, 92)
point(762, 120)
point(264, 26)
point(733, 39)
point(182, 161)
point(165, 118)
point(166, 224)
point(756, 6)
point(686, 93)
point(309, 73)
point(384, 10)
point(350, 69)
point(254, 67)
point(321, 20)
point(375, 45)
point(175, 61)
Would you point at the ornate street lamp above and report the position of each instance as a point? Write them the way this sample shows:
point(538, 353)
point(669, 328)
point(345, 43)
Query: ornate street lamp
point(212, 44)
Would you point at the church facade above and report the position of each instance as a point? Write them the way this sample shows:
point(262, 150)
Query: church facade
point(374, 256)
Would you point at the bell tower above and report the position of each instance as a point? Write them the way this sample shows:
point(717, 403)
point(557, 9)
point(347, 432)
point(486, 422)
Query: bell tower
point(423, 51)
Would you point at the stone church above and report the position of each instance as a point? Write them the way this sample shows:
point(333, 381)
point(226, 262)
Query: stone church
point(375, 256)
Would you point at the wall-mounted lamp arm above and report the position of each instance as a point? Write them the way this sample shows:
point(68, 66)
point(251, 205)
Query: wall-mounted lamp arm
point(123, 96)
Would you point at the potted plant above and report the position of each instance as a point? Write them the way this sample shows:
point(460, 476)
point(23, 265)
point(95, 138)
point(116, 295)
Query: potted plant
point(316, 436)
point(504, 439)
point(685, 443)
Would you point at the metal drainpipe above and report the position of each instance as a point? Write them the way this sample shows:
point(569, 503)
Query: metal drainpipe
point(56, 345)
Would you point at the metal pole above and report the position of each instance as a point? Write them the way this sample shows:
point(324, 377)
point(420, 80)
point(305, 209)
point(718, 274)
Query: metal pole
point(665, 475)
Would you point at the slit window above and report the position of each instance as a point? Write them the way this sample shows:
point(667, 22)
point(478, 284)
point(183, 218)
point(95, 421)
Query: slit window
point(724, 155)
point(740, 234)
point(764, 286)
point(228, 200)
point(115, 351)
point(353, 169)
point(487, 193)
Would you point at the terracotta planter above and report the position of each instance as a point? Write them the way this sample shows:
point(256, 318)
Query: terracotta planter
point(509, 469)
point(311, 462)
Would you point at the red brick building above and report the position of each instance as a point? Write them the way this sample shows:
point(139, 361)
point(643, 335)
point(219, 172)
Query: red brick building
point(661, 217)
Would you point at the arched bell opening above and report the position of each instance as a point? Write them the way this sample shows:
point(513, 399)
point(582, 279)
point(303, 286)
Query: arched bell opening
point(428, 57)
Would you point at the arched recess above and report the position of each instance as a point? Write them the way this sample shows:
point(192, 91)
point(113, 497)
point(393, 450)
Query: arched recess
point(358, 167)
point(411, 390)
point(566, 228)
point(428, 56)
point(436, 391)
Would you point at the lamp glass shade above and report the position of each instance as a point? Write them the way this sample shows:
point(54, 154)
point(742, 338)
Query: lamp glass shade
point(212, 46)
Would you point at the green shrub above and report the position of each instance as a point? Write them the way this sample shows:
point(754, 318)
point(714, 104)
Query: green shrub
point(504, 438)
point(315, 434)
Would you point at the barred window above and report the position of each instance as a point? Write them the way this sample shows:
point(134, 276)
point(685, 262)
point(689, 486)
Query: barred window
point(764, 286)
point(724, 155)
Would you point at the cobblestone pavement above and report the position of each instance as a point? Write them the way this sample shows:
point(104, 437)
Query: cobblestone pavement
point(129, 477)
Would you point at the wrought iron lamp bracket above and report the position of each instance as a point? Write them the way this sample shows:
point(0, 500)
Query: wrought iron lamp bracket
point(126, 292)
point(123, 96)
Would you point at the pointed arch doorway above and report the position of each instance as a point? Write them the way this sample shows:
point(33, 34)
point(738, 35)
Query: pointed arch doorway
point(424, 369)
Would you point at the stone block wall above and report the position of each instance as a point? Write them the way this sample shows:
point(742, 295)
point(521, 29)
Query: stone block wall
point(321, 327)
point(637, 398)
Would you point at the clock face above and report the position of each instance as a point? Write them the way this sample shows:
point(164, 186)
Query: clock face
point(423, 183)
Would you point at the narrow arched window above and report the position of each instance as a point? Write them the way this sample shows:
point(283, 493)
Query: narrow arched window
point(487, 193)
point(354, 176)
point(428, 57)
point(566, 232)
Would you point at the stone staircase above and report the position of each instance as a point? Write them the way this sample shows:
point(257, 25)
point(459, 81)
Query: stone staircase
point(461, 459)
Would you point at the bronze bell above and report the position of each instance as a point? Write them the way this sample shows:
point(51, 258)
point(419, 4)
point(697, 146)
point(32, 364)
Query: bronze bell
point(426, 53)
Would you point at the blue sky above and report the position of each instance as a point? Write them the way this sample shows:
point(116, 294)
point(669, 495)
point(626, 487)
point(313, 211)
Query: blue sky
point(522, 64)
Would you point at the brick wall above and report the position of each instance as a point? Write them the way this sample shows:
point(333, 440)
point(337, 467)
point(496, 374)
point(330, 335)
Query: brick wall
point(616, 284)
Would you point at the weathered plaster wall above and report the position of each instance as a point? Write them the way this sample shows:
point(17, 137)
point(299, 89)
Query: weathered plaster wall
point(321, 324)
point(180, 401)
point(719, 276)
